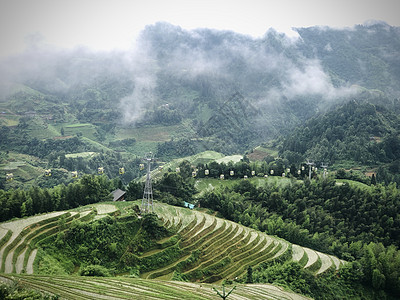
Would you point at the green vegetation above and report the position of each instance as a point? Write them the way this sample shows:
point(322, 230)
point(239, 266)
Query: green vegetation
point(321, 214)
point(15, 290)
point(356, 132)
point(100, 248)
point(21, 203)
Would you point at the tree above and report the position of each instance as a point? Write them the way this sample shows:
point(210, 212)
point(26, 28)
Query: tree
point(176, 185)
point(185, 169)
point(134, 190)
point(249, 278)
point(378, 280)
point(373, 179)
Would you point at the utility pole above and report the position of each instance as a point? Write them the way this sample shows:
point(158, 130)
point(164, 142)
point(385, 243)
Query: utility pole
point(147, 201)
point(309, 163)
point(325, 166)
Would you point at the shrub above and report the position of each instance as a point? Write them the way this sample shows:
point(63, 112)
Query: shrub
point(94, 270)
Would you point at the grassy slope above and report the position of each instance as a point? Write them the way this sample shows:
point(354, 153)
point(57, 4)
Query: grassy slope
point(25, 168)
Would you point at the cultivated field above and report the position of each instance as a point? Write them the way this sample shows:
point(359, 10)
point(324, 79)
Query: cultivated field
point(211, 250)
point(227, 249)
point(84, 288)
point(19, 238)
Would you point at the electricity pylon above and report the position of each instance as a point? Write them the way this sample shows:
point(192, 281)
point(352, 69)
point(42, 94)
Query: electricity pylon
point(147, 201)
point(309, 163)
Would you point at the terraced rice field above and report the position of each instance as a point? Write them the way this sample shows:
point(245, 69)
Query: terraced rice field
point(85, 288)
point(104, 209)
point(211, 250)
point(225, 249)
point(19, 238)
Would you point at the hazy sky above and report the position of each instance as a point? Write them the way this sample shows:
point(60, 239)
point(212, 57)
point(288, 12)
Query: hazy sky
point(106, 25)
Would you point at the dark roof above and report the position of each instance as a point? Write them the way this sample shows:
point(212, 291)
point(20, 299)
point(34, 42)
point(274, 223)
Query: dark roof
point(117, 194)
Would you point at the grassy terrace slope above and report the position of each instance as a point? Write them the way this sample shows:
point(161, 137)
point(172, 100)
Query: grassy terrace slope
point(19, 239)
point(215, 249)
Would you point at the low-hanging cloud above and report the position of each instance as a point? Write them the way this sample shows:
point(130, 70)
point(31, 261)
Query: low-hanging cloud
point(265, 70)
point(311, 79)
point(143, 70)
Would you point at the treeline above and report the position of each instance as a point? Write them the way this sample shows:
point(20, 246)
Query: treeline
point(163, 115)
point(89, 189)
point(19, 140)
point(269, 167)
point(360, 225)
point(122, 143)
point(319, 214)
point(110, 161)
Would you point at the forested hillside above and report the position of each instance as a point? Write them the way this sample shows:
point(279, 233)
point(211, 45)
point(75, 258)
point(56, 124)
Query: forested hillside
point(192, 79)
point(358, 131)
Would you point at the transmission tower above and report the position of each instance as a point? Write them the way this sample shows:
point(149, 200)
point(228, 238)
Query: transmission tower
point(309, 163)
point(147, 201)
point(325, 166)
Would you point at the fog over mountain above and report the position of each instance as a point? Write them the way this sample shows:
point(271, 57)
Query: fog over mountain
point(274, 73)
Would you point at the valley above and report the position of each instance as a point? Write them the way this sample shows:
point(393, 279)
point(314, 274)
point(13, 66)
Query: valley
point(287, 151)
